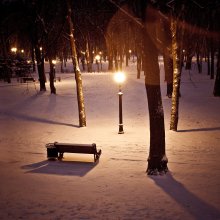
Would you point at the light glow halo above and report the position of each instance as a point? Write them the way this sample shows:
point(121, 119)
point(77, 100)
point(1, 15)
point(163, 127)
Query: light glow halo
point(119, 77)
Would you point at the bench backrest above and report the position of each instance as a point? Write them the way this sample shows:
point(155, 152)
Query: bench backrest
point(76, 148)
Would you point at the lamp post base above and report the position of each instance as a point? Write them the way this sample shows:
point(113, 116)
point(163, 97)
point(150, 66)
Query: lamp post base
point(121, 131)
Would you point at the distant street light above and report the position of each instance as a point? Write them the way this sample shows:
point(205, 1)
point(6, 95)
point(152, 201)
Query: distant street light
point(119, 77)
point(41, 51)
point(54, 69)
point(97, 60)
point(14, 49)
point(130, 53)
point(54, 62)
point(100, 53)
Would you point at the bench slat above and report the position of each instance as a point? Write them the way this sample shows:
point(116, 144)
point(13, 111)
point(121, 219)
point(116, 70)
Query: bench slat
point(58, 144)
point(76, 149)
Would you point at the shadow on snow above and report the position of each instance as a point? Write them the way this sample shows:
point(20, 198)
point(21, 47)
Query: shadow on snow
point(25, 117)
point(37, 119)
point(195, 206)
point(65, 168)
point(200, 129)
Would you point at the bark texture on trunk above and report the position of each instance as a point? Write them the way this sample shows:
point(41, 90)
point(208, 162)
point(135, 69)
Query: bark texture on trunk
point(78, 77)
point(157, 160)
point(176, 77)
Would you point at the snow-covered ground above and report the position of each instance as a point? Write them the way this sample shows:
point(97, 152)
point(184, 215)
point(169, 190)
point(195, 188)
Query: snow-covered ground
point(117, 187)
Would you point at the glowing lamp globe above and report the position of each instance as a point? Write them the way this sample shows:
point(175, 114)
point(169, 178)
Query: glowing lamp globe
point(97, 57)
point(119, 77)
point(14, 49)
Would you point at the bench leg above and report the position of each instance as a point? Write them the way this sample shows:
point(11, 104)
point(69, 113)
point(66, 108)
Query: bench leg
point(60, 157)
point(97, 155)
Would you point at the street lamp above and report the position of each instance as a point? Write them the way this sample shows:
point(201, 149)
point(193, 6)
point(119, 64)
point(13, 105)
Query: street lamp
point(100, 60)
point(130, 53)
point(14, 49)
point(97, 60)
point(119, 77)
point(54, 62)
point(54, 69)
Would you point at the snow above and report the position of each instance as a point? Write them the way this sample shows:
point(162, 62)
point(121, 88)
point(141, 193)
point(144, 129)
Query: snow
point(116, 187)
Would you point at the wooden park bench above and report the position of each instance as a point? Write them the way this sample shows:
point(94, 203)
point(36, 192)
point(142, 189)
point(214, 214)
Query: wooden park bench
point(56, 150)
point(27, 78)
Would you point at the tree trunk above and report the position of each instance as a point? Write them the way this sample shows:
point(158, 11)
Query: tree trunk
point(88, 59)
point(157, 160)
point(78, 77)
point(217, 79)
point(4, 46)
point(164, 33)
point(32, 57)
point(52, 77)
point(110, 52)
point(61, 64)
point(188, 62)
point(211, 42)
point(138, 65)
point(121, 60)
point(40, 68)
point(127, 57)
point(110, 60)
point(168, 68)
point(176, 76)
point(116, 59)
point(6, 69)
point(208, 64)
point(199, 62)
point(212, 71)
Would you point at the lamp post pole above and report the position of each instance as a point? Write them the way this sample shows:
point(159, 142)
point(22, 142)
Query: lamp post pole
point(120, 78)
point(121, 130)
point(54, 69)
